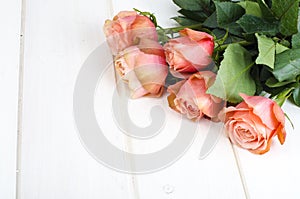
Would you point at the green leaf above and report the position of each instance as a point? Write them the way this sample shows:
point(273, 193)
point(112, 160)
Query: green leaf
point(252, 8)
point(266, 11)
point(296, 96)
point(255, 74)
point(197, 16)
point(283, 96)
point(219, 34)
point(234, 75)
point(296, 40)
point(234, 28)
point(299, 20)
point(279, 48)
point(285, 42)
point(222, 37)
point(193, 5)
point(184, 21)
point(228, 12)
point(287, 65)
point(211, 21)
point(287, 11)
point(265, 73)
point(268, 2)
point(205, 4)
point(266, 48)
point(274, 83)
point(252, 24)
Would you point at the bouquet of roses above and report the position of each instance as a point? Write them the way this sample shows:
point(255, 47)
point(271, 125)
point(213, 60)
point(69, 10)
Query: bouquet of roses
point(230, 61)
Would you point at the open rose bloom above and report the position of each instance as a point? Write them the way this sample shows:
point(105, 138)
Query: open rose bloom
point(191, 52)
point(189, 97)
point(253, 123)
point(125, 29)
point(144, 68)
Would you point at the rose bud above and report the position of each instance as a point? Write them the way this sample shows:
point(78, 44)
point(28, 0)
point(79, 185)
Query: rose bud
point(191, 52)
point(189, 97)
point(125, 28)
point(253, 123)
point(144, 68)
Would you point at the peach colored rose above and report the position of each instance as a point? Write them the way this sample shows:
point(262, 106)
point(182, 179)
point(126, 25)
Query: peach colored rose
point(144, 68)
point(253, 123)
point(191, 52)
point(189, 97)
point(126, 28)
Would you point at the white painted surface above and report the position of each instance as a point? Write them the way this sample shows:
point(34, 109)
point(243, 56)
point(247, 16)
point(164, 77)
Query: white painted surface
point(275, 174)
point(59, 36)
point(10, 20)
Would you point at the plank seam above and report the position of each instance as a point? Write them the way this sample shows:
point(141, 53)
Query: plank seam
point(20, 101)
point(133, 183)
point(240, 170)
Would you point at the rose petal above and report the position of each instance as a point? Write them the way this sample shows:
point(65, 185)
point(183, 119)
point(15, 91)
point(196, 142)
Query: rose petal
point(154, 71)
point(281, 133)
point(136, 88)
point(257, 145)
point(226, 113)
point(188, 108)
point(176, 60)
point(125, 30)
point(263, 149)
point(150, 46)
point(255, 122)
point(191, 52)
point(190, 95)
point(123, 14)
point(263, 107)
point(197, 55)
point(196, 35)
point(176, 87)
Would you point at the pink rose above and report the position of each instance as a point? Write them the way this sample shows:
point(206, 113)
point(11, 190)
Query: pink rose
point(126, 28)
point(253, 123)
point(191, 52)
point(144, 68)
point(189, 96)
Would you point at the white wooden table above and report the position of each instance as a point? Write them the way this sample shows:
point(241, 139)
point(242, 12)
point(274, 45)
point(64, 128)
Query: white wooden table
point(43, 45)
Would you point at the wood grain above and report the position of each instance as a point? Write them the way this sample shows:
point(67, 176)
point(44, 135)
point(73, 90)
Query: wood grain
point(59, 37)
point(275, 174)
point(10, 20)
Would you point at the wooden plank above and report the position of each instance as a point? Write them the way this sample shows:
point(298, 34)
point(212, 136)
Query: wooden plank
point(10, 20)
point(275, 174)
point(59, 37)
point(216, 176)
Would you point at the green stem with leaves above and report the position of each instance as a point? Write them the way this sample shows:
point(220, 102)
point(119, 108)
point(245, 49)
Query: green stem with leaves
point(224, 46)
point(177, 29)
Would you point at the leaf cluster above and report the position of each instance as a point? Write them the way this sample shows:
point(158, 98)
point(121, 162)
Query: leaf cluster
point(257, 45)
